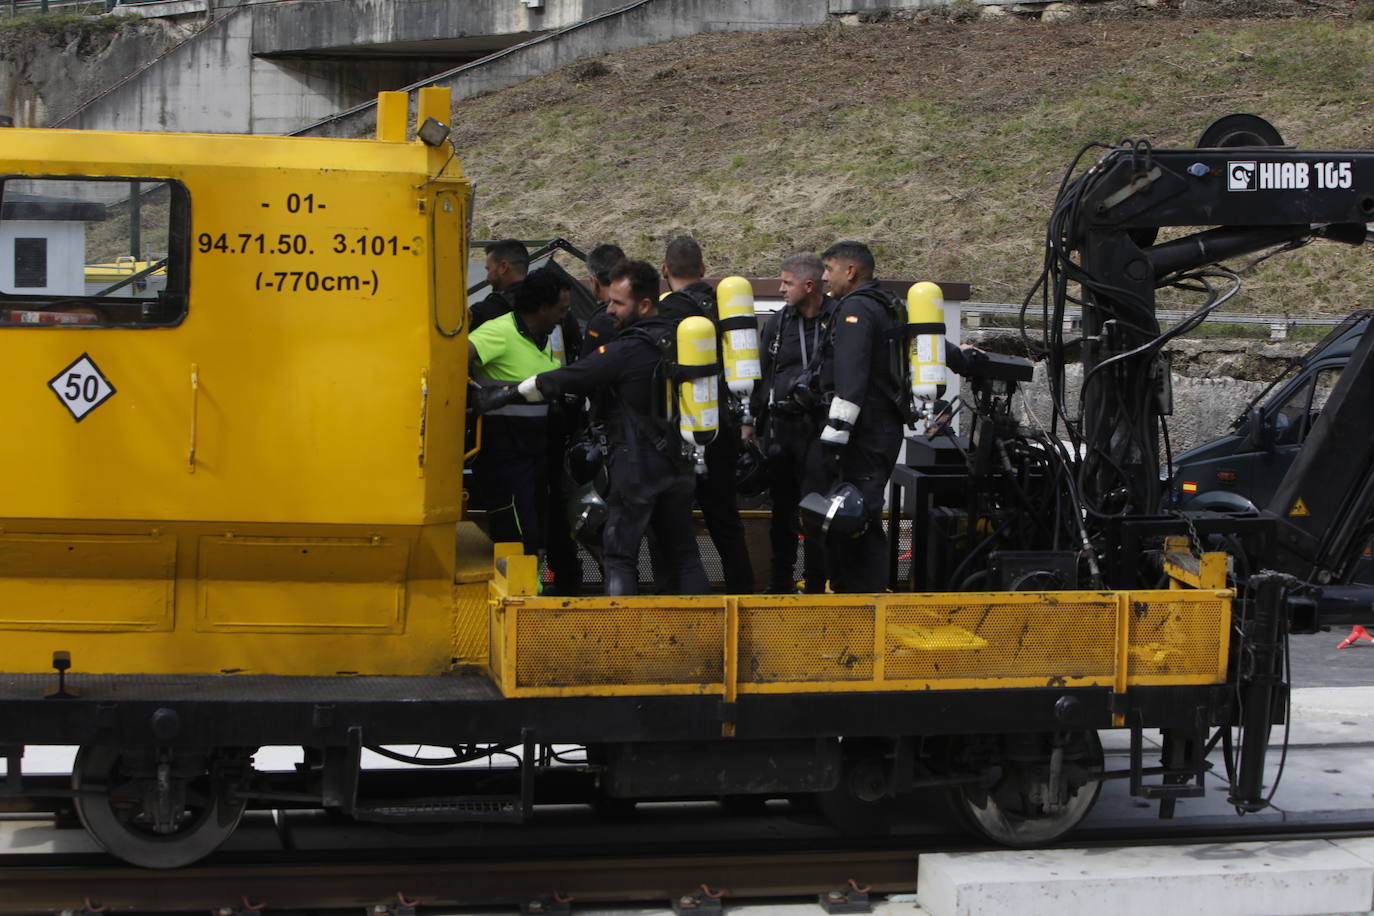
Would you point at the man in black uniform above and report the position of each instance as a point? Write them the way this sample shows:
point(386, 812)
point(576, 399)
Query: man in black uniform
point(565, 421)
point(787, 407)
point(863, 428)
point(507, 263)
point(650, 475)
point(599, 326)
point(684, 269)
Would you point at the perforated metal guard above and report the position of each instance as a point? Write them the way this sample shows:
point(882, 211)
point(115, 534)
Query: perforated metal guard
point(809, 644)
point(470, 622)
point(610, 644)
point(957, 636)
point(1175, 636)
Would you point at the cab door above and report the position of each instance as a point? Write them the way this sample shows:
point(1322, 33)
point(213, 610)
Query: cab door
point(1250, 463)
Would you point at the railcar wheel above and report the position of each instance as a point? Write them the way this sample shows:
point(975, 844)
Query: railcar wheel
point(861, 802)
point(1039, 794)
point(150, 810)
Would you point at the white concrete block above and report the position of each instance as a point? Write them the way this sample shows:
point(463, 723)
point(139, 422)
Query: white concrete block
point(807, 907)
point(1360, 847)
point(1242, 879)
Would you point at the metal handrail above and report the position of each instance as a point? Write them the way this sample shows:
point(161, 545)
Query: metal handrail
point(1167, 315)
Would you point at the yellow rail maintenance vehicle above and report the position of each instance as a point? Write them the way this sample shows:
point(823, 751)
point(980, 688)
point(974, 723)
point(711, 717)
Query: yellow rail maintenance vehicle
point(233, 518)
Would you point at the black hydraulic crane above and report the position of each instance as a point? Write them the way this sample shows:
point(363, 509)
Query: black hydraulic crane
point(1240, 192)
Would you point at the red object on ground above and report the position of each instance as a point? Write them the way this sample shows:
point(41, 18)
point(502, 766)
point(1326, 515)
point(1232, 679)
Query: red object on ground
point(1357, 632)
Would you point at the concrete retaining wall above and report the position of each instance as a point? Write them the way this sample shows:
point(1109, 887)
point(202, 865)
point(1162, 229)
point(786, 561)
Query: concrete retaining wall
point(1204, 408)
point(46, 77)
point(312, 25)
point(213, 84)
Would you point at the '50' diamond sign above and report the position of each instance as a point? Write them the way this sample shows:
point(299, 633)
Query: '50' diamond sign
point(81, 387)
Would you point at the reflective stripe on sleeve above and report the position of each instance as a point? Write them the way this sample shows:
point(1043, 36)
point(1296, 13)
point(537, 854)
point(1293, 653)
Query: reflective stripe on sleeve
point(835, 436)
point(534, 411)
point(847, 412)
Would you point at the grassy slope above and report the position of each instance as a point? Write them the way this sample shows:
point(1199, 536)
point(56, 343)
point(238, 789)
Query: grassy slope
point(941, 144)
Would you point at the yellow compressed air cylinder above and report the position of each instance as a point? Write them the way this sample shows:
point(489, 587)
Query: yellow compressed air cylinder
point(739, 335)
point(698, 399)
point(557, 348)
point(925, 311)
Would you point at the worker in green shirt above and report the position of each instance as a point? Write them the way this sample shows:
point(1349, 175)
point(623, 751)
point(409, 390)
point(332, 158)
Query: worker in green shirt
point(510, 473)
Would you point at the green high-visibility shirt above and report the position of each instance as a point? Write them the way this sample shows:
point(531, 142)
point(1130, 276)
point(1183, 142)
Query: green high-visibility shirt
point(506, 354)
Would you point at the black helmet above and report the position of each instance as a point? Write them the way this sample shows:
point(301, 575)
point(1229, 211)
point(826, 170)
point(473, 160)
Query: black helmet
point(751, 471)
point(584, 460)
point(587, 515)
point(840, 511)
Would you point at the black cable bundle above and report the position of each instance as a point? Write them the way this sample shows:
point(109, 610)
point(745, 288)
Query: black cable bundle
point(1108, 465)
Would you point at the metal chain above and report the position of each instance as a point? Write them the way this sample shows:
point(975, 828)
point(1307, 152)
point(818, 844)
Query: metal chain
point(1193, 536)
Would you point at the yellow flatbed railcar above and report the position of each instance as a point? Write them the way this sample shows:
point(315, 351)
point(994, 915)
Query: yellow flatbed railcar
point(233, 518)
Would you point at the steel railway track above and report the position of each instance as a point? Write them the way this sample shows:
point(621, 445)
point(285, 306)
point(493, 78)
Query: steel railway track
point(742, 866)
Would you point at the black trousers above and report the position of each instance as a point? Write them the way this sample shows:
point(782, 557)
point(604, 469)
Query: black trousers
point(649, 492)
point(561, 551)
point(510, 482)
point(859, 564)
point(789, 439)
point(715, 493)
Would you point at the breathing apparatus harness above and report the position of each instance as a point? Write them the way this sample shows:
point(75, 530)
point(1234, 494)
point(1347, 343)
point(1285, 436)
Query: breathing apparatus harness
point(660, 426)
point(807, 393)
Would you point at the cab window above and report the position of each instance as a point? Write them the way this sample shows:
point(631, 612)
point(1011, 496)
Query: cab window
point(93, 252)
point(1294, 418)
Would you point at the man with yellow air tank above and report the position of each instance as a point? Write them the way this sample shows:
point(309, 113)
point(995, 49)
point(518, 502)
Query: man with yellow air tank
point(510, 471)
point(651, 478)
point(872, 365)
point(862, 435)
point(789, 412)
point(684, 268)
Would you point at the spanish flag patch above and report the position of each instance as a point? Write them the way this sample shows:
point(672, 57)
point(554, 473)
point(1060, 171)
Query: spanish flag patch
point(851, 319)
